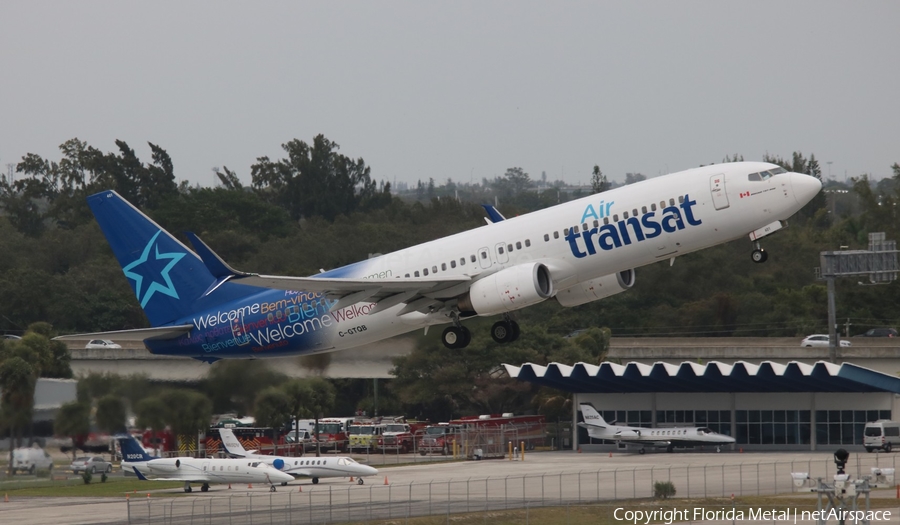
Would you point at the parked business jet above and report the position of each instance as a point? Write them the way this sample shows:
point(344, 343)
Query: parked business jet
point(196, 470)
point(573, 253)
point(315, 468)
point(652, 437)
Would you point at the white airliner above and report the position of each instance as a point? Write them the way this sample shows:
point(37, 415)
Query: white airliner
point(315, 468)
point(196, 470)
point(573, 253)
point(652, 437)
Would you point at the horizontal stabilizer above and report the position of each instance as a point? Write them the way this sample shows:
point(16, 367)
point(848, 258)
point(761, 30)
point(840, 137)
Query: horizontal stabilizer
point(161, 333)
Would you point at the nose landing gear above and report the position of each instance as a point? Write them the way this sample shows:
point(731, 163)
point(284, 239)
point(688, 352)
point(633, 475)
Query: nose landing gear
point(759, 255)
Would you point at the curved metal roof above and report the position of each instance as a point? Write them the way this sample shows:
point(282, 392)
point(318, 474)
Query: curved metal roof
point(712, 377)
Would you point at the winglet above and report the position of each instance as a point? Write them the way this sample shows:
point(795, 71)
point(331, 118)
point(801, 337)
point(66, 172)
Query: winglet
point(215, 264)
point(138, 474)
point(493, 215)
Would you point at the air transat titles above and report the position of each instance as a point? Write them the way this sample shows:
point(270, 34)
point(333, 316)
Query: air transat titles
point(632, 229)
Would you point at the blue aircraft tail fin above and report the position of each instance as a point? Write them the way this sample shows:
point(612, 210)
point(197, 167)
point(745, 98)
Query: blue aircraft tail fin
point(169, 280)
point(132, 451)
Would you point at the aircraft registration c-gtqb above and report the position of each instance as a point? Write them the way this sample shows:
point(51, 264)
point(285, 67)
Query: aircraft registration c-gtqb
point(669, 437)
point(315, 468)
point(574, 253)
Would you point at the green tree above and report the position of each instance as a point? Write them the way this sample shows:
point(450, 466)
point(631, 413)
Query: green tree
point(111, 414)
point(314, 180)
point(298, 392)
point(599, 184)
point(319, 402)
point(150, 412)
point(17, 381)
point(73, 420)
point(272, 409)
point(188, 412)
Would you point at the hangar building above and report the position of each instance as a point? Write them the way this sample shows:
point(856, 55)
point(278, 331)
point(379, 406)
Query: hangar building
point(769, 406)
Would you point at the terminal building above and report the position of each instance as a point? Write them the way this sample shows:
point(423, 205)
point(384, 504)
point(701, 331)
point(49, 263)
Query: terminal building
point(769, 406)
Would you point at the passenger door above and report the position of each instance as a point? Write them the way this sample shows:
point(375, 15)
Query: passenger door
point(717, 189)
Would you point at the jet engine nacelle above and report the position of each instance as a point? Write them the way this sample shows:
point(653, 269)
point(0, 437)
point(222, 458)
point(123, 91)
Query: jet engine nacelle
point(165, 465)
point(507, 290)
point(587, 291)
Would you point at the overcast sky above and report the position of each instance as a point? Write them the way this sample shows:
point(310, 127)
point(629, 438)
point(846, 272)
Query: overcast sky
point(461, 90)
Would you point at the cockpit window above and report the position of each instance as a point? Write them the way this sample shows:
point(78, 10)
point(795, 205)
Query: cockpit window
point(778, 170)
point(754, 177)
point(765, 175)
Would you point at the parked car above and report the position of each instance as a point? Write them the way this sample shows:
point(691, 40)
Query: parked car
point(880, 332)
point(821, 340)
point(93, 464)
point(30, 459)
point(101, 343)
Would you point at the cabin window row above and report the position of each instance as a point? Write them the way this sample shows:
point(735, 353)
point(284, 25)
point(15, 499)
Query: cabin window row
point(513, 247)
point(434, 268)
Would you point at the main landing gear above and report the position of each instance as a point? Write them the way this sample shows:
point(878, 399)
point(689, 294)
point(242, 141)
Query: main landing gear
point(759, 255)
point(458, 336)
point(505, 331)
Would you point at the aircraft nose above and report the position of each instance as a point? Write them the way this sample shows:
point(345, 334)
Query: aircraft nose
point(370, 471)
point(805, 187)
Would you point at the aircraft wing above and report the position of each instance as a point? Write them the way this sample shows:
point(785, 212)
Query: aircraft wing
point(138, 334)
point(417, 293)
point(192, 479)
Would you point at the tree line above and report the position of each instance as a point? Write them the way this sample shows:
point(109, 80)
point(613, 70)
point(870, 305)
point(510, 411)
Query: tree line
point(58, 268)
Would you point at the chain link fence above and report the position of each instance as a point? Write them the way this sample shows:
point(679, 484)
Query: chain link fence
point(333, 503)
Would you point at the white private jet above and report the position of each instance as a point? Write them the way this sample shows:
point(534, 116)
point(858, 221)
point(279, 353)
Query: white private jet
point(196, 470)
point(310, 467)
point(652, 437)
point(573, 253)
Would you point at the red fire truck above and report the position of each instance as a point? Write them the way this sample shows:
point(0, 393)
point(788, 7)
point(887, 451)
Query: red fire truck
point(399, 435)
point(333, 433)
point(502, 428)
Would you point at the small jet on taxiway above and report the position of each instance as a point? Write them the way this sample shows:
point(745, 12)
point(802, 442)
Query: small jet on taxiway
point(669, 437)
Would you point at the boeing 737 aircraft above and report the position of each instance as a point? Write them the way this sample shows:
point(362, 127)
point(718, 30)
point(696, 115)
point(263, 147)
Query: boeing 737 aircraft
point(653, 437)
point(573, 253)
point(196, 470)
point(315, 468)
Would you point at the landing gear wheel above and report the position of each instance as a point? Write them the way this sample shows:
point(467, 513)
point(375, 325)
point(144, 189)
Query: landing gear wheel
point(188, 489)
point(515, 331)
point(641, 451)
point(456, 337)
point(759, 256)
point(504, 331)
point(315, 481)
point(272, 488)
point(359, 481)
point(204, 487)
